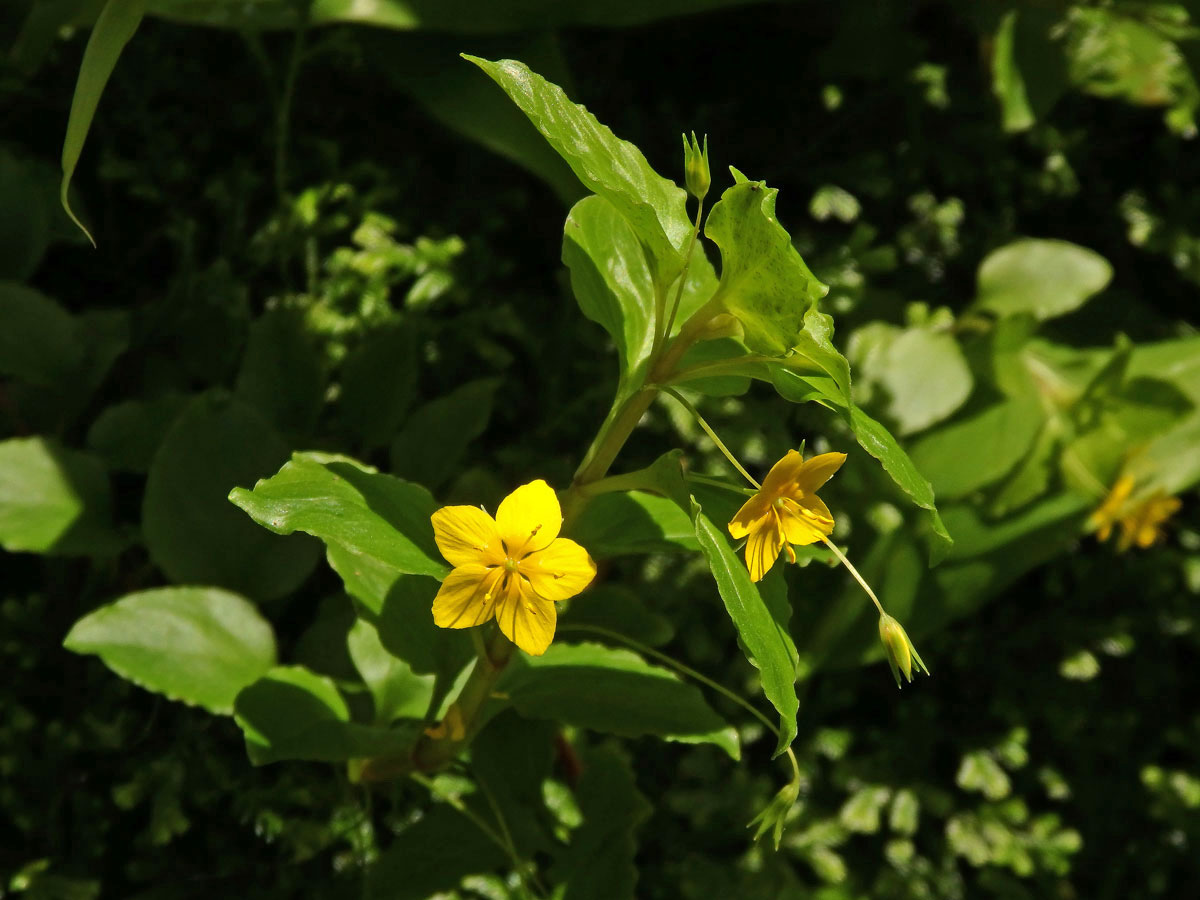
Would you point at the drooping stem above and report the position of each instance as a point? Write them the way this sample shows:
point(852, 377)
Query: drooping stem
point(853, 571)
point(687, 262)
point(712, 435)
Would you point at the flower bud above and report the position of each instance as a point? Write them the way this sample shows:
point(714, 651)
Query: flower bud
point(774, 816)
point(901, 654)
point(695, 167)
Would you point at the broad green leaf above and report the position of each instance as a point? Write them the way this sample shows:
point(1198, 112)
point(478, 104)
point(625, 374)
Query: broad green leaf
point(617, 692)
point(737, 372)
point(190, 529)
point(616, 170)
point(613, 282)
point(436, 436)
point(407, 631)
point(53, 500)
point(281, 373)
point(599, 862)
point(951, 454)
point(366, 519)
point(1170, 462)
point(27, 228)
point(1029, 71)
point(117, 22)
point(925, 376)
point(292, 713)
point(201, 646)
point(398, 692)
point(511, 759)
point(128, 434)
point(1045, 278)
point(814, 351)
point(1031, 478)
point(40, 341)
point(632, 522)
point(378, 381)
point(431, 856)
point(764, 281)
point(616, 608)
point(767, 643)
point(1175, 361)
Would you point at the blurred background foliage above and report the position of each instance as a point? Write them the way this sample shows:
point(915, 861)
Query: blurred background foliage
point(318, 229)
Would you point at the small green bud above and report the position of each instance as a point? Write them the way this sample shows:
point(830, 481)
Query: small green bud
point(775, 815)
point(695, 167)
point(901, 654)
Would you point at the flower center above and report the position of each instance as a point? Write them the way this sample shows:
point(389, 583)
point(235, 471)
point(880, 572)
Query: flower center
point(511, 565)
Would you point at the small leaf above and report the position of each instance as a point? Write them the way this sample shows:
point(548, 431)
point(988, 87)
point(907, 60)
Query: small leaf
point(599, 863)
point(190, 529)
point(1046, 278)
point(1029, 70)
point(398, 692)
point(379, 380)
point(614, 691)
point(40, 342)
point(764, 280)
point(767, 643)
point(437, 435)
point(53, 500)
point(117, 22)
point(128, 434)
point(371, 523)
point(201, 646)
point(292, 713)
point(616, 170)
point(281, 374)
point(908, 364)
point(633, 522)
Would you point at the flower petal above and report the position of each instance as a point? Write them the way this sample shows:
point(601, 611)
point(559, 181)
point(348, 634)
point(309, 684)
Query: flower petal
point(529, 518)
point(818, 470)
point(745, 519)
point(467, 535)
point(560, 571)
point(763, 546)
point(526, 619)
point(806, 521)
point(467, 597)
point(782, 474)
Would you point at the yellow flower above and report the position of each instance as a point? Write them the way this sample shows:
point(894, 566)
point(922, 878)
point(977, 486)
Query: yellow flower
point(1141, 520)
point(786, 510)
point(514, 567)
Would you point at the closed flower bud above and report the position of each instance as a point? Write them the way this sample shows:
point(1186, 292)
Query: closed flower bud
point(901, 654)
point(695, 167)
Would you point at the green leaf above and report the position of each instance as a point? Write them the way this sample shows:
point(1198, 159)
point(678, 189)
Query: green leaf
point(53, 500)
point(616, 170)
point(378, 381)
point(1029, 71)
point(201, 646)
point(511, 759)
point(617, 692)
point(437, 435)
point(118, 21)
point(40, 341)
point(950, 454)
point(599, 862)
point(281, 373)
point(764, 280)
point(398, 692)
point(373, 524)
point(632, 522)
point(127, 435)
point(616, 608)
point(814, 351)
point(190, 529)
point(1045, 278)
point(767, 643)
point(907, 362)
point(292, 713)
point(431, 856)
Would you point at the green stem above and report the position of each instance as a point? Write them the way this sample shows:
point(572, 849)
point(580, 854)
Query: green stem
point(712, 435)
point(718, 483)
point(853, 571)
point(283, 111)
point(687, 261)
point(722, 367)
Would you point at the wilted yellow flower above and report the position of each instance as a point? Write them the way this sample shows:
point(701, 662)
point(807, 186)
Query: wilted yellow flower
point(514, 567)
point(1141, 520)
point(901, 654)
point(786, 510)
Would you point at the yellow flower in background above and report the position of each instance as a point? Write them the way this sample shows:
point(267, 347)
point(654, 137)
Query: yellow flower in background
point(513, 568)
point(1140, 520)
point(786, 510)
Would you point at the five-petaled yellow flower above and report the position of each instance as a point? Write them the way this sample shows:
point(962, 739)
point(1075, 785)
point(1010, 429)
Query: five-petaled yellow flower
point(514, 567)
point(1141, 521)
point(786, 510)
